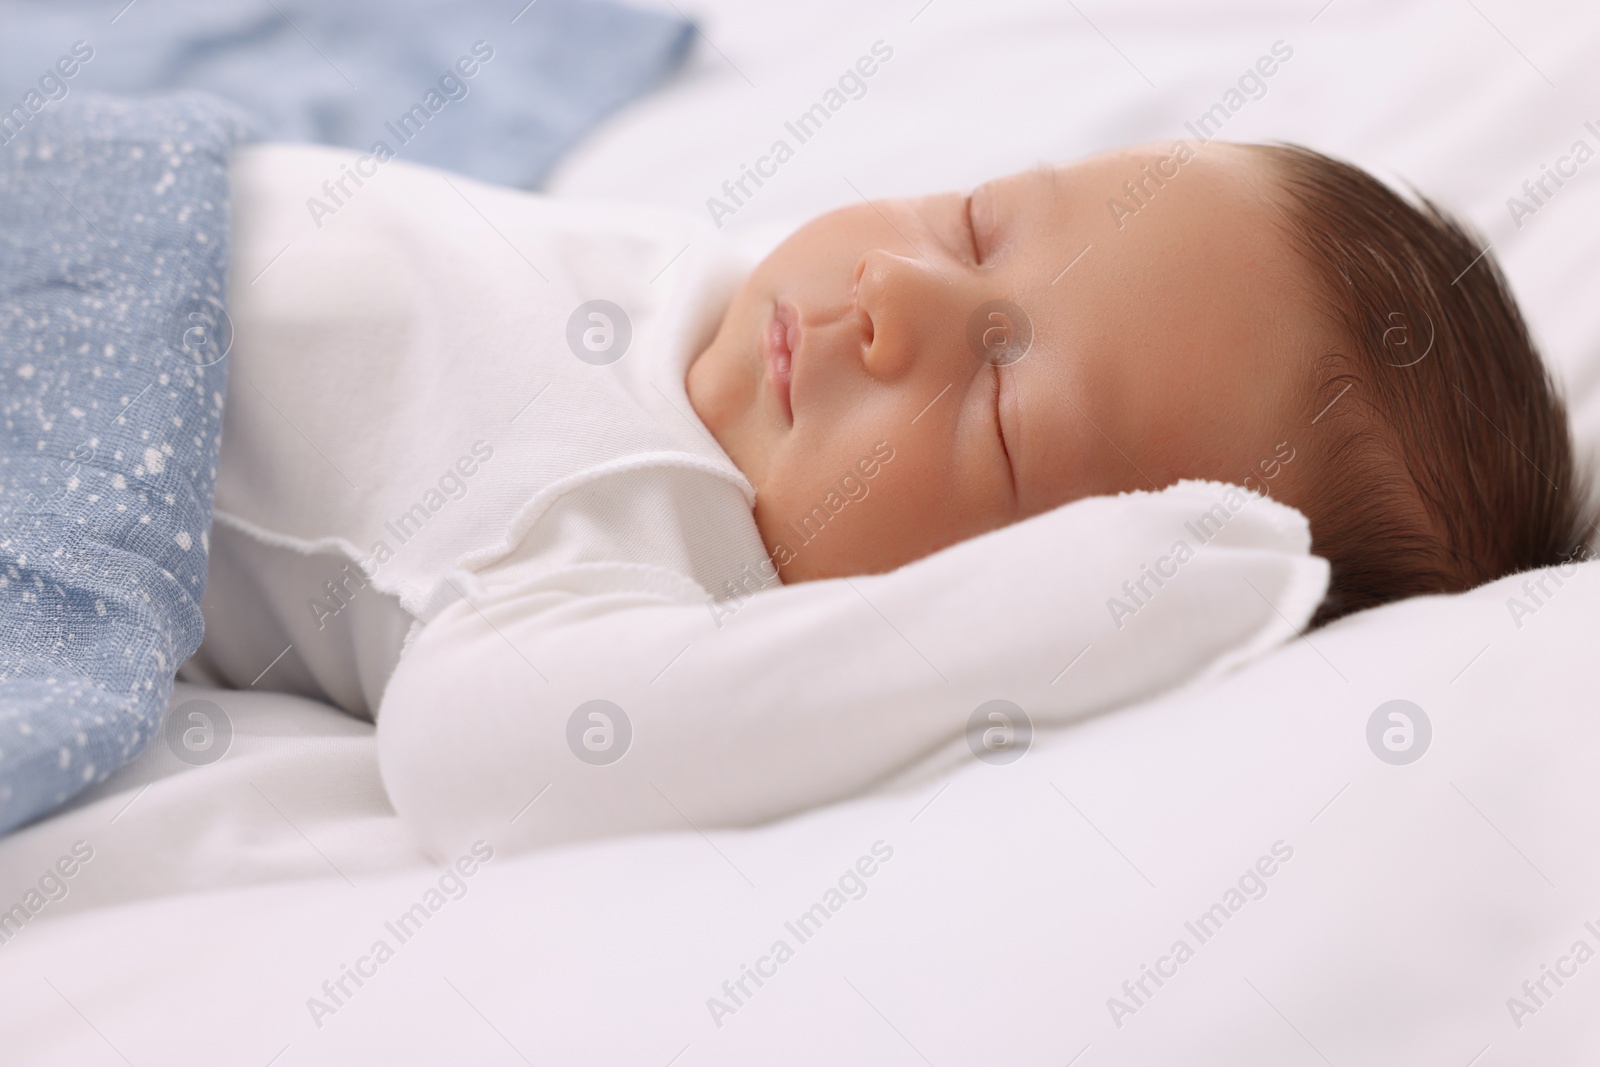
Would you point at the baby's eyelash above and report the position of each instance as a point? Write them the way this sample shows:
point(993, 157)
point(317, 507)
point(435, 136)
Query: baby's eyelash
point(972, 231)
point(1000, 427)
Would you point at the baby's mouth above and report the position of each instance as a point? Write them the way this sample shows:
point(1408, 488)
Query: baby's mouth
point(779, 341)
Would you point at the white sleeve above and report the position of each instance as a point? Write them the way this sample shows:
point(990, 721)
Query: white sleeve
point(806, 694)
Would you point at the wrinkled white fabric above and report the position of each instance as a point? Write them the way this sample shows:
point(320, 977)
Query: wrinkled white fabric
point(810, 693)
point(405, 404)
point(418, 469)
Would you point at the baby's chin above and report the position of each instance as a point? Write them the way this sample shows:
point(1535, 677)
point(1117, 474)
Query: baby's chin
point(701, 386)
point(723, 400)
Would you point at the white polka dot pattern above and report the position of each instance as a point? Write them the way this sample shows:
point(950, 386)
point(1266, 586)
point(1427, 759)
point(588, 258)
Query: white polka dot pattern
point(113, 238)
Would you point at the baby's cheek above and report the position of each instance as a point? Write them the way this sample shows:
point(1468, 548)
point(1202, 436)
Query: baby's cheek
point(720, 394)
point(854, 488)
point(822, 517)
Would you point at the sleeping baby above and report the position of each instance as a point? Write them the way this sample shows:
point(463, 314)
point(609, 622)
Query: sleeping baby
point(502, 493)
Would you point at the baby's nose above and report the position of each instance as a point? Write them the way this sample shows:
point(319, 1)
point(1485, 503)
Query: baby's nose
point(902, 301)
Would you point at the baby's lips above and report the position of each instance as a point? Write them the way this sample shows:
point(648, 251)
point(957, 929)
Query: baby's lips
point(778, 342)
point(791, 323)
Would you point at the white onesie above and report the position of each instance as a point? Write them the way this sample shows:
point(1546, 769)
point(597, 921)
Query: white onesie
point(431, 510)
point(407, 420)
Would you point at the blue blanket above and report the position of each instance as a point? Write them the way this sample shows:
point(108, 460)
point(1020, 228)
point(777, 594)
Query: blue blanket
point(504, 87)
point(113, 260)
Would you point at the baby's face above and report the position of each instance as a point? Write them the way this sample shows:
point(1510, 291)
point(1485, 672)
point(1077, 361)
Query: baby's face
point(1166, 342)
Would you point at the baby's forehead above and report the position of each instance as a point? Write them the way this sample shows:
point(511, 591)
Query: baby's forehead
point(1159, 194)
point(1209, 166)
point(1185, 248)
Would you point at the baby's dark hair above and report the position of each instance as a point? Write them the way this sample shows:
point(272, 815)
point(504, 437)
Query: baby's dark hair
point(1441, 448)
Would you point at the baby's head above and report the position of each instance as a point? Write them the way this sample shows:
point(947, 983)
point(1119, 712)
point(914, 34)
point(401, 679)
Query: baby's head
point(1260, 315)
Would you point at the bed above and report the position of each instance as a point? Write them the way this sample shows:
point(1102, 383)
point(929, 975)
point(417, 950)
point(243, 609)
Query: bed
point(1334, 906)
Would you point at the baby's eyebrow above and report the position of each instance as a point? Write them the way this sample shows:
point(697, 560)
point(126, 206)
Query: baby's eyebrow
point(1050, 169)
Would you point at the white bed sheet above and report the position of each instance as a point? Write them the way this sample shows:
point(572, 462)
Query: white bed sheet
point(1019, 898)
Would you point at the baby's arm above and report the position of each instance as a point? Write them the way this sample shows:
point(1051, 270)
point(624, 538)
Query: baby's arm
point(811, 693)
